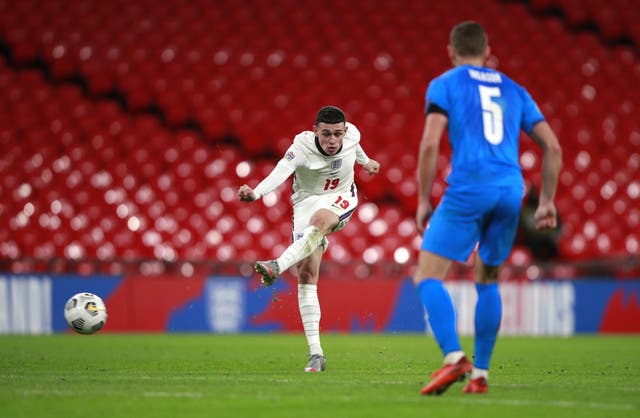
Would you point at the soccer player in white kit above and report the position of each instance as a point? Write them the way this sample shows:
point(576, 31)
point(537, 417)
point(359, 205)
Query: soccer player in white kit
point(324, 198)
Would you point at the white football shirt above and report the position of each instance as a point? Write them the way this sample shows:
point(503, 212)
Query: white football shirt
point(316, 173)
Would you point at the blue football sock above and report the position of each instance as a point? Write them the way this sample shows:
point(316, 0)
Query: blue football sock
point(442, 315)
point(487, 322)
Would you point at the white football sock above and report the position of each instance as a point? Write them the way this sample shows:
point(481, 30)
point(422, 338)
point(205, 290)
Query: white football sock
point(310, 314)
point(476, 373)
point(300, 249)
point(453, 357)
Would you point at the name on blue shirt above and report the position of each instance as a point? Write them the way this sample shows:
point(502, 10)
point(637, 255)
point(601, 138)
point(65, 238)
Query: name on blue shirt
point(486, 77)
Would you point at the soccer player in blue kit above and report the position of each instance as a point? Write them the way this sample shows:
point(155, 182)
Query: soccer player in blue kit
point(484, 112)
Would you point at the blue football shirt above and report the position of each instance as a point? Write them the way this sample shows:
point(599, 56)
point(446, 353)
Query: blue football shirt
point(486, 111)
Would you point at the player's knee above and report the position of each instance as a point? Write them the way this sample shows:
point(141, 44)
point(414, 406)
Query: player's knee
point(417, 279)
point(324, 220)
point(489, 274)
point(307, 277)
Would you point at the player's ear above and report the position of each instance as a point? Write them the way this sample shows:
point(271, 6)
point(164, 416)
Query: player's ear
point(487, 52)
point(451, 53)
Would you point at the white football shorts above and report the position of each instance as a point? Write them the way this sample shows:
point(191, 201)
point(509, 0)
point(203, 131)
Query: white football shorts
point(342, 204)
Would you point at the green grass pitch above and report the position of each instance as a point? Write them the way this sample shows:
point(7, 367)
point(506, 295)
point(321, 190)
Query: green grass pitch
point(261, 375)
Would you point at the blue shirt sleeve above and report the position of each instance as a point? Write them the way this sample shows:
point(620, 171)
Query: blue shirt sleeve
point(531, 114)
point(437, 95)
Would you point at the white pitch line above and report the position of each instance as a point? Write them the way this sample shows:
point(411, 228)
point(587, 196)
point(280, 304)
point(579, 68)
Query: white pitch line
point(172, 395)
point(74, 393)
point(50, 392)
point(468, 400)
point(558, 404)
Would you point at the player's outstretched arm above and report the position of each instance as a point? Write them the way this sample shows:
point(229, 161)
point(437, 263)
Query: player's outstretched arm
point(278, 175)
point(246, 193)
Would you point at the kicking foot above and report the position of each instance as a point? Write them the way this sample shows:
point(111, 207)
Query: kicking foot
point(447, 375)
point(268, 270)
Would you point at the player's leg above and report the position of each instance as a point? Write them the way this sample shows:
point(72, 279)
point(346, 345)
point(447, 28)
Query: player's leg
point(309, 305)
point(308, 273)
point(451, 235)
point(432, 269)
point(488, 314)
point(314, 218)
point(320, 224)
point(495, 246)
point(442, 319)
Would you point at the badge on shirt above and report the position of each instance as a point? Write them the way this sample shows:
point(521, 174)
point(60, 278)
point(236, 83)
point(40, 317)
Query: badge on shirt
point(289, 156)
point(336, 164)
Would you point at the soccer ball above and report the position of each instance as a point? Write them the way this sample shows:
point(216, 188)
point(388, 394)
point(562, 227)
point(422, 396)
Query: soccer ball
point(85, 313)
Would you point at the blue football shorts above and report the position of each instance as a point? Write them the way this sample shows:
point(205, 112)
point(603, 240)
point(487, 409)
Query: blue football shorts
point(487, 216)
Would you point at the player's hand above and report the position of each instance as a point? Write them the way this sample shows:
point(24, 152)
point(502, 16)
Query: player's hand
point(246, 193)
point(546, 216)
point(372, 167)
point(423, 213)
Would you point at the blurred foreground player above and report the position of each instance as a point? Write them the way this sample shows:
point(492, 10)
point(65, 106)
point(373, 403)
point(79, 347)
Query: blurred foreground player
point(324, 198)
point(484, 112)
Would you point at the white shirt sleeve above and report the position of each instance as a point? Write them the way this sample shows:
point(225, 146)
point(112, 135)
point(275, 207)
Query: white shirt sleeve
point(353, 132)
point(361, 156)
point(278, 175)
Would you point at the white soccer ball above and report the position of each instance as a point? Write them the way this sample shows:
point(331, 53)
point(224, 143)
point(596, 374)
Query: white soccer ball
point(85, 313)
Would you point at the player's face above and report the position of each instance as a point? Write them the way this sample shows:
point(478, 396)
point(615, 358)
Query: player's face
point(330, 136)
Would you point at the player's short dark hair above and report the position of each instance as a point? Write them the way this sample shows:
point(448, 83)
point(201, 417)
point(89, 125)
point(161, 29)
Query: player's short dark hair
point(330, 114)
point(468, 39)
